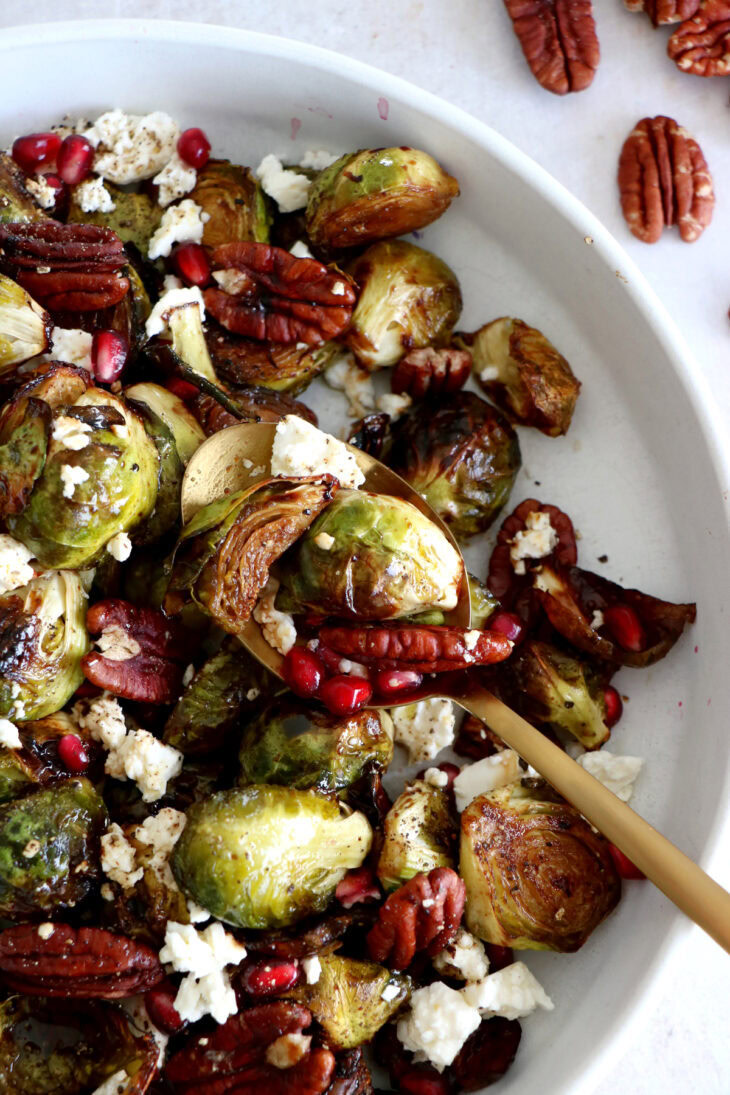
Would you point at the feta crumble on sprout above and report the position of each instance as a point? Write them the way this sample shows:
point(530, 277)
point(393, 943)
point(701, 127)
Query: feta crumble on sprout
point(132, 147)
point(182, 223)
point(203, 956)
point(424, 728)
point(289, 189)
point(278, 627)
point(175, 296)
point(486, 775)
point(93, 197)
point(300, 449)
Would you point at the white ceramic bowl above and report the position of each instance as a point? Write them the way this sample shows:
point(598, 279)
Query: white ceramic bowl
point(641, 473)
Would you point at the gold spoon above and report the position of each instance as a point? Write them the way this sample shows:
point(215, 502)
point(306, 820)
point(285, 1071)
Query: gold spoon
point(238, 456)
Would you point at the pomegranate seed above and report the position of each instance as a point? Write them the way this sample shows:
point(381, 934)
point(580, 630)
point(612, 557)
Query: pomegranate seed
point(499, 957)
point(391, 682)
point(194, 147)
point(72, 754)
point(624, 866)
point(74, 160)
point(343, 695)
point(35, 149)
point(357, 885)
point(109, 352)
point(160, 1005)
point(507, 623)
point(270, 978)
point(421, 1082)
point(303, 671)
point(613, 704)
point(625, 626)
point(451, 771)
point(190, 262)
point(183, 389)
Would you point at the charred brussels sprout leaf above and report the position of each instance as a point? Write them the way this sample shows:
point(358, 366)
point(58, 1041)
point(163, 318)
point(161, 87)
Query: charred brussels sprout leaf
point(135, 216)
point(265, 857)
point(166, 513)
point(483, 603)
point(42, 641)
point(419, 834)
point(408, 298)
point(24, 326)
point(49, 849)
point(463, 457)
point(387, 560)
point(537, 876)
point(281, 366)
point(170, 408)
point(295, 746)
point(22, 455)
point(16, 203)
point(130, 315)
point(376, 194)
point(235, 203)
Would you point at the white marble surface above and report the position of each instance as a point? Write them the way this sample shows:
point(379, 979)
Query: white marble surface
point(464, 51)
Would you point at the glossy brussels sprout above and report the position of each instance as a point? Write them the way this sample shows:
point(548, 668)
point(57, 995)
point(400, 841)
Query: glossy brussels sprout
point(42, 641)
point(419, 834)
point(166, 514)
point(523, 373)
point(223, 556)
point(49, 849)
point(483, 603)
point(235, 203)
point(408, 298)
point(352, 999)
point(265, 857)
point(131, 313)
point(170, 408)
point(376, 194)
point(16, 203)
point(281, 366)
point(462, 456)
point(386, 560)
point(537, 876)
point(25, 327)
point(86, 496)
point(23, 445)
point(296, 746)
point(135, 216)
point(37, 761)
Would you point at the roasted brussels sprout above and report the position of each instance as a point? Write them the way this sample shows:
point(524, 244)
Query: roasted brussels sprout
point(376, 194)
point(42, 641)
point(419, 834)
point(523, 373)
point(86, 496)
point(25, 327)
point(16, 203)
point(135, 216)
point(295, 746)
point(264, 857)
point(352, 999)
point(463, 457)
point(483, 603)
point(223, 556)
point(235, 203)
point(166, 514)
point(408, 298)
point(188, 341)
point(130, 315)
point(537, 875)
point(386, 560)
point(173, 412)
point(23, 446)
point(37, 762)
point(49, 848)
point(281, 366)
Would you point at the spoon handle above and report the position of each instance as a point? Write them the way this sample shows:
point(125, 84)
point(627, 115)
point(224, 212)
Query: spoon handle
point(683, 882)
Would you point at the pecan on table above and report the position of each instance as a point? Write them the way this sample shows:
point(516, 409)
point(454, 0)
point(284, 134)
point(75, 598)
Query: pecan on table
point(559, 41)
point(663, 12)
point(86, 963)
point(701, 45)
point(664, 179)
point(430, 372)
point(427, 649)
point(423, 914)
point(279, 297)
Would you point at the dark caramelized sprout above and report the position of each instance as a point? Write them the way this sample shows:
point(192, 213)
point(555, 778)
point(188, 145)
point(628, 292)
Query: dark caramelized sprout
point(419, 834)
point(235, 203)
point(16, 203)
point(282, 367)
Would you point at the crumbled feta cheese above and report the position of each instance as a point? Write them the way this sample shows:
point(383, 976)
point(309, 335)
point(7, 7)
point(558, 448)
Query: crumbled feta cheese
point(288, 1050)
point(324, 541)
point(188, 675)
point(173, 298)
point(317, 159)
point(45, 931)
point(301, 449)
point(9, 735)
point(211, 994)
point(439, 1022)
point(93, 197)
point(71, 432)
point(120, 547)
point(511, 992)
point(118, 858)
point(183, 223)
point(289, 189)
point(44, 194)
point(389, 992)
point(597, 619)
point(171, 282)
point(117, 645)
point(436, 778)
point(116, 1084)
point(535, 541)
point(299, 250)
point(71, 476)
point(471, 638)
point(175, 179)
point(202, 956)
point(393, 404)
point(196, 912)
point(489, 373)
point(312, 968)
point(465, 959)
point(615, 772)
point(162, 832)
point(353, 669)
point(486, 775)
point(104, 719)
point(14, 564)
point(232, 281)
point(278, 627)
point(132, 147)
point(344, 375)
point(425, 728)
point(253, 694)
point(147, 761)
point(72, 345)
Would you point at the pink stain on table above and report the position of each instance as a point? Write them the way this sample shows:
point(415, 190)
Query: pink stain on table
point(296, 125)
point(383, 108)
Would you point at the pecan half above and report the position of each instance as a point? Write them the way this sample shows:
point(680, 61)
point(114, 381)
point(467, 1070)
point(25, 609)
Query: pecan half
point(431, 372)
point(280, 298)
point(148, 658)
point(559, 41)
point(476, 740)
point(427, 649)
point(663, 12)
point(352, 1075)
point(73, 290)
point(76, 962)
point(424, 914)
point(664, 179)
point(701, 45)
point(502, 580)
point(487, 1053)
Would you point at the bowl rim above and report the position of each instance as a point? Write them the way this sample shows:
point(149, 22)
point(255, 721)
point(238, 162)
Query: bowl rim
point(695, 384)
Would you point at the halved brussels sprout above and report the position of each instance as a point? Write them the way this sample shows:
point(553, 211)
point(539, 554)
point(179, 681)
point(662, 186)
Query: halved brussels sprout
point(419, 834)
point(37, 761)
point(25, 327)
point(293, 745)
point(385, 559)
point(265, 857)
point(483, 603)
point(462, 456)
point(537, 875)
point(166, 514)
point(84, 497)
point(16, 203)
point(23, 447)
point(135, 216)
point(235, 203)
point(283, 367)
point(130, 315)
point(352, 999)
point(408, 298)
point(170, 408)
point(188, 341)
point(49, 849)
point(42, 641)
point(376, 194)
